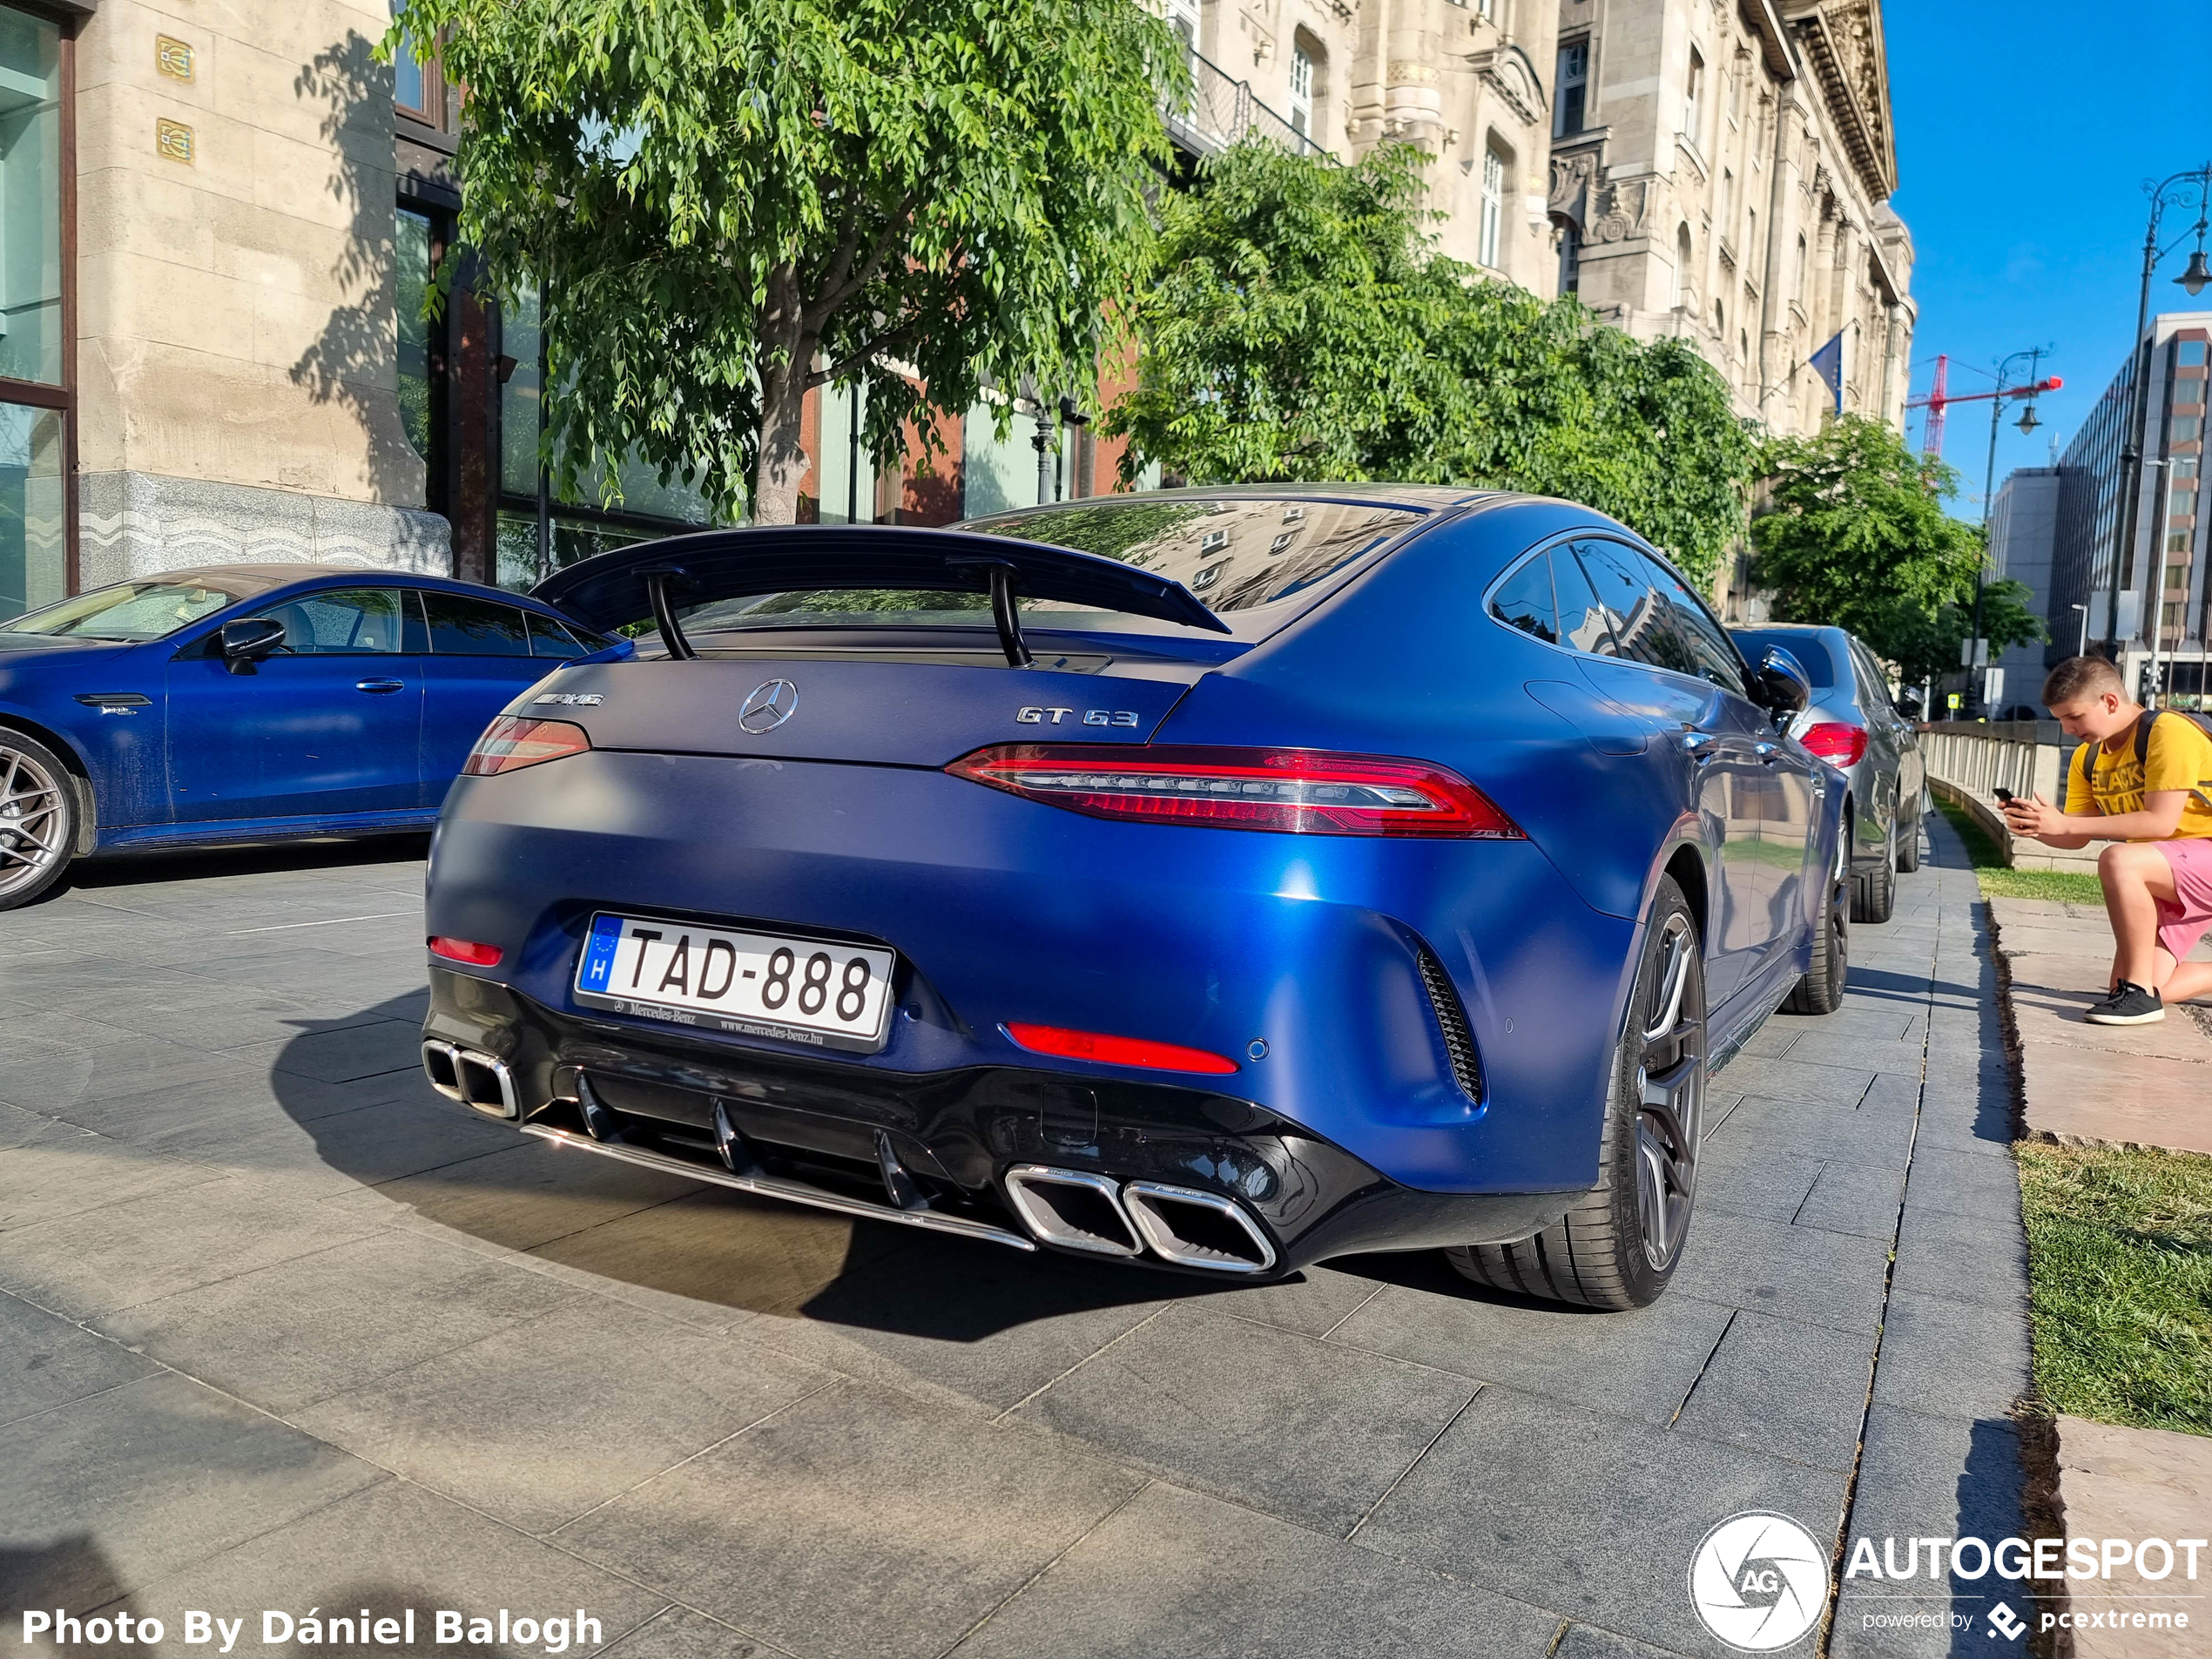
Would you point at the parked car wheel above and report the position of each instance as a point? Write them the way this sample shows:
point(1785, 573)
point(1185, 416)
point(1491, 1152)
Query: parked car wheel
point(37, 819)
point(1874, 894)
point(1617, 1247)
point(1908, 844)
point(1821, 990)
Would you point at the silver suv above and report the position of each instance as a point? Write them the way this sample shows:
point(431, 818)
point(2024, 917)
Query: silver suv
point(1852, 724)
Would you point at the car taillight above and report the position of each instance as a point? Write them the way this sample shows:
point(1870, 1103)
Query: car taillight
point(1302, 791)
point(1838, 742)
point(1117, 1051)
point(464, 950)
point(512, 743)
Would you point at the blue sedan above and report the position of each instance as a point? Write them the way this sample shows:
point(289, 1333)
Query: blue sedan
point(251, 703)
point(1209, 881)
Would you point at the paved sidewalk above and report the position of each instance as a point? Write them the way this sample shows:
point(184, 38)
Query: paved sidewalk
point(281, 1329)
point(2137, 1483)
point(2130, 1085)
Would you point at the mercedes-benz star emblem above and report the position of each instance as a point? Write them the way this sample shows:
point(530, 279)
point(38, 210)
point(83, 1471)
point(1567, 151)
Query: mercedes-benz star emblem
point(768, 707)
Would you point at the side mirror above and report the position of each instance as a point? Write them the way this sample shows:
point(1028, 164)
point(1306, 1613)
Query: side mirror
point(1783, 682)
point(247, 642)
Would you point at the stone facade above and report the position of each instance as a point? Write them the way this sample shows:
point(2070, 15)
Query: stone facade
point(1728, 185)
point(236, 347)
point(1469, 84)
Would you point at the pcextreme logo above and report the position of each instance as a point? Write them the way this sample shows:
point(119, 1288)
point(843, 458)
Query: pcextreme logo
point(1758, 1581)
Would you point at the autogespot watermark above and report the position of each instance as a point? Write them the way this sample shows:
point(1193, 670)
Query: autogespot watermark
point(1759, 1581)
point(367, 1628)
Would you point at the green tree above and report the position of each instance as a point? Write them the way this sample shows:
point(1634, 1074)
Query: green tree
point(721, 193)
point(1858, 538)
point(1297, 325)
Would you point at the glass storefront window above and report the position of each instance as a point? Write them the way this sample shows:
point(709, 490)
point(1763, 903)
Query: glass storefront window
point(30, 200)
point(573, 539)
point(34, 546)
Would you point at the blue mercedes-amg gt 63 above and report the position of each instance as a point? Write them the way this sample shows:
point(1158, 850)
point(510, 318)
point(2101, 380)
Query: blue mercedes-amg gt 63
point(1219, 879)
point(251, 703)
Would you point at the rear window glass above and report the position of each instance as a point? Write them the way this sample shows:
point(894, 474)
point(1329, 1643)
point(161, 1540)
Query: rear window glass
point(1819, 665)
point(1234, 555)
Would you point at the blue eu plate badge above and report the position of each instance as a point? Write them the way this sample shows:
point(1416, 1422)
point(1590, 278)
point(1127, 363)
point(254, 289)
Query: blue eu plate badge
point(599, 953)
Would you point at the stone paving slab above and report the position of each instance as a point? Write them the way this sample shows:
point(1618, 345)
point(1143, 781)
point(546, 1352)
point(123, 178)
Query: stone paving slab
point(2137, 1483)
point(431, 1362)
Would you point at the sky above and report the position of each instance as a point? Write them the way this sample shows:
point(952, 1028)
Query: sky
point(2026, 130)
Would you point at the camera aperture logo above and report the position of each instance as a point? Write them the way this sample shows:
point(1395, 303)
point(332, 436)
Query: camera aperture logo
point(1758, 1581)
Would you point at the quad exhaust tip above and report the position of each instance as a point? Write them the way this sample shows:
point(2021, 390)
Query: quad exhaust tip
point(1071, 1209)
point(1098, 1214)
point(477, 1081)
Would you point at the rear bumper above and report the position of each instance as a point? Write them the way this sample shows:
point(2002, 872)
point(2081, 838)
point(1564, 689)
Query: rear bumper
point(934, 1150)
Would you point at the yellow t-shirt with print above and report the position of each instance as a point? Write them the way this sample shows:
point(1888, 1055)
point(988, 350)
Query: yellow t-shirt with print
point(2179, 757)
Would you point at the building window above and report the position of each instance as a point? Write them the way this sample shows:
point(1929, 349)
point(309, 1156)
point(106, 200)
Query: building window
point(2184, 428)
point(2189, 354)
point(1574, 88)
point(1797, 286)
point(1751, 238)
point(416, 247)
point(1183, 18)
point(418, 89)
point(1678, 294)
point(1301, 91)
point(1728, 205)
point(1570, 260)
point(1493, 204)
point(35, 400)
point(1693, 95)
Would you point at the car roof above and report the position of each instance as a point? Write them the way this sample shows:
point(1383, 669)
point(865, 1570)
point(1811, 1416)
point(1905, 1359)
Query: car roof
point(273, 575)
point(1420, 497)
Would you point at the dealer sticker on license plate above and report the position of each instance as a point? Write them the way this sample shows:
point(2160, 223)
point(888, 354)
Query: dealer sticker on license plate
point(813, 991)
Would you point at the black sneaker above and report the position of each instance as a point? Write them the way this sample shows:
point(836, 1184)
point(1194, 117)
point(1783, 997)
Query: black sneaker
point(2129, 1005)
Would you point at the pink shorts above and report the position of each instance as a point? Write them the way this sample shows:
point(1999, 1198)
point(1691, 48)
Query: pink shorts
point(2180, 925)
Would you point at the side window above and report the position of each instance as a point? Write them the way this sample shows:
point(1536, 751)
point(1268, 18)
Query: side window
point(460, 627)
point(1524, 600)
point(1704, 642)
point(1642, 626)
point(350, 621)
point(1581, 618)
point(1873, 684)
point(550, 638)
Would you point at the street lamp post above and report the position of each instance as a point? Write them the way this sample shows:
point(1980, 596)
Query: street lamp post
point(2158, 574)
point(2028, 389)
point(2131, 452)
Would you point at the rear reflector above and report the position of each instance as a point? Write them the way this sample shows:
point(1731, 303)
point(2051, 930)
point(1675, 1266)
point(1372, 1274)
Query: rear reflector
point(464, 950)
point(1115, 1051)
point(1302, 791)
point(512, 743)
point(1838, 742)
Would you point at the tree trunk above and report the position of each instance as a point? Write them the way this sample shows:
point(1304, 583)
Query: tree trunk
point(787, 358)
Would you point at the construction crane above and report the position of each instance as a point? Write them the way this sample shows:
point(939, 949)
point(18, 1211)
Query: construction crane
point(1940, 398)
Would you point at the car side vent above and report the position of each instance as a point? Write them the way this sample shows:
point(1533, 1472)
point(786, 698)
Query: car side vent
point(1452, 1020)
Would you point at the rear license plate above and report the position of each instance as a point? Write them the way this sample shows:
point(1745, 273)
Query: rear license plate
point(813, 991)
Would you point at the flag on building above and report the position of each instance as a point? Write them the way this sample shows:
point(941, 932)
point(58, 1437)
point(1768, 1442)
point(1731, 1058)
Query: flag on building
point(1828, 363)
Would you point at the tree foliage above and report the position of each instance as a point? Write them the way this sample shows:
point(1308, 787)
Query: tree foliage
point(927, 192)
point(1295, 324)
point(1857, 538)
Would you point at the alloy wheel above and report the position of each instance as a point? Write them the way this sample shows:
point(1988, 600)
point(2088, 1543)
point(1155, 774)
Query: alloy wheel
point(33, 821)
point(1670, 1087)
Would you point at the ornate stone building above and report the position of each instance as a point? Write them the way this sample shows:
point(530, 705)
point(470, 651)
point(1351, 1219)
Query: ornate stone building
point(1721, 171)
point(1467, 80)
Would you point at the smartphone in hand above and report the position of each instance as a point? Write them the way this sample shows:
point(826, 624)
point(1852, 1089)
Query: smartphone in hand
point(2005, 798)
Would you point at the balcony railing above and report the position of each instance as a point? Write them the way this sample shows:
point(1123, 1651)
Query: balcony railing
point(1222, 111)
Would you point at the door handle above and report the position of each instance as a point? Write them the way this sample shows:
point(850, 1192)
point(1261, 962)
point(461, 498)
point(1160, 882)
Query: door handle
point(1766, 752)
point(380, 685)
point(1699, 745)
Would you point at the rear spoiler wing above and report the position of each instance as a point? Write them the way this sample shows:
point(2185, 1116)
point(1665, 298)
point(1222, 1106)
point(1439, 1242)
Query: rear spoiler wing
point(651, 578)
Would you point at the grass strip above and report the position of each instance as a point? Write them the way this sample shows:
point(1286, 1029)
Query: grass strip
point(2000, 880)
point(2119, 1265)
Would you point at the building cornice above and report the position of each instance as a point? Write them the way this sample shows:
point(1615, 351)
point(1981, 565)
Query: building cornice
point(1774, 43)
point(1842, 40)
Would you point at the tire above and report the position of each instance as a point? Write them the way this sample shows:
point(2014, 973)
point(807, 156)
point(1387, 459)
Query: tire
point(1908, 845)
point(1874, 894)
point(38, 812)
point(1821, 990)
point(1618, 1247)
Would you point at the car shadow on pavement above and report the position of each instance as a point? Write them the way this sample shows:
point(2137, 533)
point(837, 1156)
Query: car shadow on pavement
point(92, 875)
point(662, 1235)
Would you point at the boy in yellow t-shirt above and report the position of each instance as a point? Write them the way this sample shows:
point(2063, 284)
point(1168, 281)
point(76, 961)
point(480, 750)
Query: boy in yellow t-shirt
point(2155, 797)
